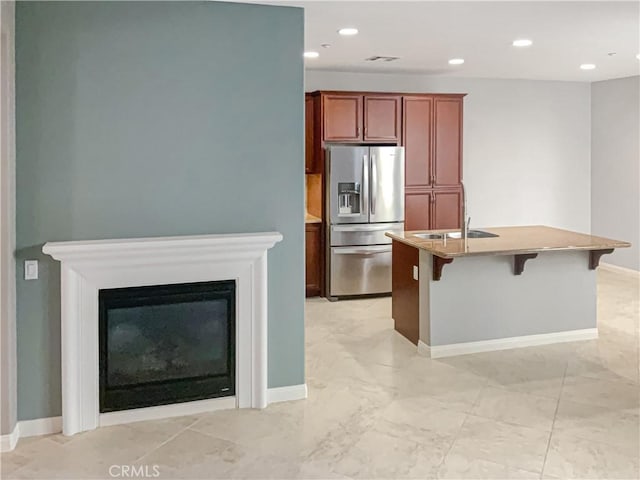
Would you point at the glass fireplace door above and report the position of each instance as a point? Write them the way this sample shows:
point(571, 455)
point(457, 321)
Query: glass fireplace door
point(166, 344)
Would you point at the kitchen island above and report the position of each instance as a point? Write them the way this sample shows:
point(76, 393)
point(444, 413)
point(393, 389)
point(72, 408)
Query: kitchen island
point(522, 286)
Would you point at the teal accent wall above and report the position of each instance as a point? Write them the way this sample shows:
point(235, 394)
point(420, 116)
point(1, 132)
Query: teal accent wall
point(139, 119)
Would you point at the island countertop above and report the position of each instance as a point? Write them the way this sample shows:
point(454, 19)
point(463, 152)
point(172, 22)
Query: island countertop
point(510, 241)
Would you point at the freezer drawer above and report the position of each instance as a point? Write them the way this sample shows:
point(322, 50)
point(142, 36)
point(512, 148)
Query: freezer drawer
point(360, 270)
point(363, 234)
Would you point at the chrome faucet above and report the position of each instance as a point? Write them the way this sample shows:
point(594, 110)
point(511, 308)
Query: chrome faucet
point(464, 221)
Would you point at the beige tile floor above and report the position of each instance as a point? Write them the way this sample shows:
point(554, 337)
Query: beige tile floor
point(378, 410)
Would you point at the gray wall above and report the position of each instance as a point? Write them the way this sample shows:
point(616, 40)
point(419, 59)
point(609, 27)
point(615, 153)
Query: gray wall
point(615, 166)
point(8, 400)
point(526, 143)
point(149, 119)
point(479, 298)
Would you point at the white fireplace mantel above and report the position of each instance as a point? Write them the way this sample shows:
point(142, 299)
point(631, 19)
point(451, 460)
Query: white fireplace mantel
point(88, 266)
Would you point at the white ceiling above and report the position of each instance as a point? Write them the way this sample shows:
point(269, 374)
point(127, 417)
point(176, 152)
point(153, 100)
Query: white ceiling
point(426, 34)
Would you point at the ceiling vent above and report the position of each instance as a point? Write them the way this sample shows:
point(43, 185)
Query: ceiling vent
point(380, 58)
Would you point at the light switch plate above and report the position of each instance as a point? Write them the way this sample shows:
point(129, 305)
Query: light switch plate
point(415, 272)
point(31, 269)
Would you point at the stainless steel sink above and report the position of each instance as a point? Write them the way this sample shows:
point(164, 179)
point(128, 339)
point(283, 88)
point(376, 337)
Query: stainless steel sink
point(472, 234)
point(455, 235)
point(429, 236)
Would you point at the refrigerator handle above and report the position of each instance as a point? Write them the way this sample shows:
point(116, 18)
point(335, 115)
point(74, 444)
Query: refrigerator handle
point(374, 184)
point(364, 168)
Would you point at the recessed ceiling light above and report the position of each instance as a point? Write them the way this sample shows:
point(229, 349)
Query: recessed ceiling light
point(348, 31)
point(522, 42)
point(587, 66)
point(456, 61)
point(310, 54)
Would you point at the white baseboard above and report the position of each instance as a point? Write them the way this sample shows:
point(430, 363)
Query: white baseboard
point(616, 269)
point(30, 428)
point(285, 394)
point(166, 411)
point(424, 349)
point(441, 351)
point(8, 442)
point(40, 426)
point(47, 426)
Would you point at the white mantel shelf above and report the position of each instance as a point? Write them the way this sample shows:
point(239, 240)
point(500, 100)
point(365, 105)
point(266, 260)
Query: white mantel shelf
point(148, 249)
point(89, 266)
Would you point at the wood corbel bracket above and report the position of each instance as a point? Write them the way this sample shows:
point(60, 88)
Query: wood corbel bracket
point(438, 263)
point(594, 257)
point(519, 260)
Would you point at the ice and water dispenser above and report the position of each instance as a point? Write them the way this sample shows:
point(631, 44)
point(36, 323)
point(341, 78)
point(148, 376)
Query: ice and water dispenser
point(348, 198)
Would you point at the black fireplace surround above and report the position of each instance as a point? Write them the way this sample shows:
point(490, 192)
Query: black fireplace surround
point(166, 344)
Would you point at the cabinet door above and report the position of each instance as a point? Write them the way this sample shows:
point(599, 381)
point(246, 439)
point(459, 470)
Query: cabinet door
point(417, 115)
point(417, 211)
point(446, 210)
point(382, 119)
point(313, 259)
point(309, 163)
point(447, 162)
point(342, 118)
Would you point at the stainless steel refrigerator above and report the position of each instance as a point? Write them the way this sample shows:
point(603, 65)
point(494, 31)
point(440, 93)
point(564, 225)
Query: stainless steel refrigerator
point(364, 199)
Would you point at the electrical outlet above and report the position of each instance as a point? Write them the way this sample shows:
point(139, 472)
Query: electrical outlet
point(31, 269)
point(415, 272)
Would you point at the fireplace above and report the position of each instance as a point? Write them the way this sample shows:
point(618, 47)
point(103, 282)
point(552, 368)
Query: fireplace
point(166, 344)
point(94, 266)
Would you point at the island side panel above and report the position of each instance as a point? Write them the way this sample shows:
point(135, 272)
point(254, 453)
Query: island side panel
point(479, 298)
point(426, 274)
point(405, 292)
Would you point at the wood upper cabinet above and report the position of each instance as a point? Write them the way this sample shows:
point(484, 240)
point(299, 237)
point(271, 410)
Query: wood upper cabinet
point(447, 138)
point(432, 138)
point(417, 113)
point(309, 157)
point(352, 118)
point(382, 120)
point(342, 120)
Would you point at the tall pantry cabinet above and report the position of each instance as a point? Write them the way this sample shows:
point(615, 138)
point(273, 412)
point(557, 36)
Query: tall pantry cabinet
point(432, 138)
